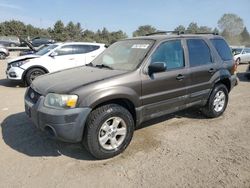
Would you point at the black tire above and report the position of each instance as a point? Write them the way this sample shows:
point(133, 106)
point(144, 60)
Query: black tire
point(238, 61)
point(2, 55)
point(32, 74)
point(95, 122)
point(209, 110)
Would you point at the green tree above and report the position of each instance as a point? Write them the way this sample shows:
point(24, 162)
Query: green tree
point(59, 31)
point(144, 30)
point(193, 28)
point(245, 37)
point(231, 23)
point(204, 29)
point(180, 28)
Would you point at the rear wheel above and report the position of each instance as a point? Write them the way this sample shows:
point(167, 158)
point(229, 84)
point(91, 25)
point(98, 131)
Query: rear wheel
point(109, 130)
point(217, 102)
point(32, 74)
point(2, 55)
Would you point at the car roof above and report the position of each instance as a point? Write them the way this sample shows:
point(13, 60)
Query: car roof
point(79, 43)
point(161, 37)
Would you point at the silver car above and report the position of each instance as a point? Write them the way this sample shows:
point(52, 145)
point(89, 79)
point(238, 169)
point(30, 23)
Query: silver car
point(4, 52)
point(242, 56)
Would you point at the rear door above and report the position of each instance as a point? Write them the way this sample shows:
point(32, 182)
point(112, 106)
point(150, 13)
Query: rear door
point(201, 69)
point(165, 92)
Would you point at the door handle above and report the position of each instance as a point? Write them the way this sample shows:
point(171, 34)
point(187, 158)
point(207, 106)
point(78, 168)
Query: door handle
point(72, 59)
point(180, 77)
point(212, 70)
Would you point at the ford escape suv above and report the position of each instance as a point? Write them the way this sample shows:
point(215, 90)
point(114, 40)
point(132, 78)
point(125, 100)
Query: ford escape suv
point(134, 80)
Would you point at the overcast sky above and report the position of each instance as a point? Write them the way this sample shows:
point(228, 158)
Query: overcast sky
point(126, 15)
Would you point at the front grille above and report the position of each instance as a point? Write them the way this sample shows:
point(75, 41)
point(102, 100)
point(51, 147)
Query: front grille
point(33, 96)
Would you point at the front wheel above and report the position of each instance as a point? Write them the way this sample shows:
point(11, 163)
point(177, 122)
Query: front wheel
point(2, 55)
point(32, 74)
point(217, 102)
point(238, 61)
point(109, 130)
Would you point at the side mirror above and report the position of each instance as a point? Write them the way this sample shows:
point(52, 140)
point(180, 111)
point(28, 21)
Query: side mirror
point(53, 54)
point(156, 67)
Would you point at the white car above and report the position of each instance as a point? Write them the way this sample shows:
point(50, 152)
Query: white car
point(53, 58)
point(242, 56)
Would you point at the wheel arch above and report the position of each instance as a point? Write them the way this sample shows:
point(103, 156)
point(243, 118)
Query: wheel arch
point(33, 67)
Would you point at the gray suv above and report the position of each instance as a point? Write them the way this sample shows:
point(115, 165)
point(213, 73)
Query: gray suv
point(132, 81)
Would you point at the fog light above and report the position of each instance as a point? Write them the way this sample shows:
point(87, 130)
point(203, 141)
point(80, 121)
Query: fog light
point(12, 74)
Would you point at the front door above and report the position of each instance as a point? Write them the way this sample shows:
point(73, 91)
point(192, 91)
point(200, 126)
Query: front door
point(64, 58)
point(165, 92)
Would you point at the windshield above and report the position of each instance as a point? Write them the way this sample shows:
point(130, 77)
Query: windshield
point(237, 51)
point(124, 55)
point(45, 50)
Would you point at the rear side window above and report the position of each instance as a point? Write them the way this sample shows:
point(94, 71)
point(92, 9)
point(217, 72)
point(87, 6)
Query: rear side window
point(223, 49)
point(199, 52)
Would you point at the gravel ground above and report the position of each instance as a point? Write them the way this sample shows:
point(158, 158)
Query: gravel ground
point(180, 150)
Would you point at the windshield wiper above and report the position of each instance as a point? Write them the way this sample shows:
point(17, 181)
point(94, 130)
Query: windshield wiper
point(104, 66)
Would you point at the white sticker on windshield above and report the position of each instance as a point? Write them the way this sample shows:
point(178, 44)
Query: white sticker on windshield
point(140, 46)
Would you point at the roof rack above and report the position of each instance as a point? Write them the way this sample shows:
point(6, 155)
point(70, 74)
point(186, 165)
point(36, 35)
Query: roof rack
point(181, 33)
point(207, 33)
point(165, 32)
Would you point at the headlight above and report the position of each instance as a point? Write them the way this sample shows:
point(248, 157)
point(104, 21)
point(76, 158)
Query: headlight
point(60, 101)
point(18, 63)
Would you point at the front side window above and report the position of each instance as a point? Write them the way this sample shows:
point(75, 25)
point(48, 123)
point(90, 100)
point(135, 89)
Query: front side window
point(170, 53)
point(81, 49)
point(65, 50)
point(247, 50)
point(199, 52)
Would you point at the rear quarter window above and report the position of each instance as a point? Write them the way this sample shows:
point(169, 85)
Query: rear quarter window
point(223, 49)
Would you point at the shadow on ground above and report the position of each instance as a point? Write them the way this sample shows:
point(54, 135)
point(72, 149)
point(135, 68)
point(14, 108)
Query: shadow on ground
point(20, 134)
point(243, 77)
point(8, 83)
point(192, 113)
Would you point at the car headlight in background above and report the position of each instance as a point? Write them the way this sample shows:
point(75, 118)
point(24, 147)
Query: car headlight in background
point(19, 63)
point(60, 101)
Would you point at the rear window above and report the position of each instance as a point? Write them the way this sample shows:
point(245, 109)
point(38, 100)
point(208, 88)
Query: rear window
point(223, 49)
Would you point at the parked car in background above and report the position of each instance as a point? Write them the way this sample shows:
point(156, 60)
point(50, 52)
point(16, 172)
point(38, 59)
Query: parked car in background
point(4, 52)
point(52, 58)
point(131, 82)
point(242, 55)
point(9, 41)
point(39, 41)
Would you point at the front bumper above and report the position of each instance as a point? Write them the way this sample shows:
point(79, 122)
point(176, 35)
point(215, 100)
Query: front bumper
point(65, 125)
point(14, 73)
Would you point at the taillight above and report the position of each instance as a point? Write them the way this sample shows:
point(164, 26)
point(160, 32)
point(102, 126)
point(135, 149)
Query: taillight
point(234, 68)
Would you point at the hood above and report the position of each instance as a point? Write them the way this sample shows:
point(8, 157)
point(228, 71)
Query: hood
point(25, 57)
point(65, 81)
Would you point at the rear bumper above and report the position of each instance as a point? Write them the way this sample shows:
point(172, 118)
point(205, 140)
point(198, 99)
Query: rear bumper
point(65, 125)
point(234, 81)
